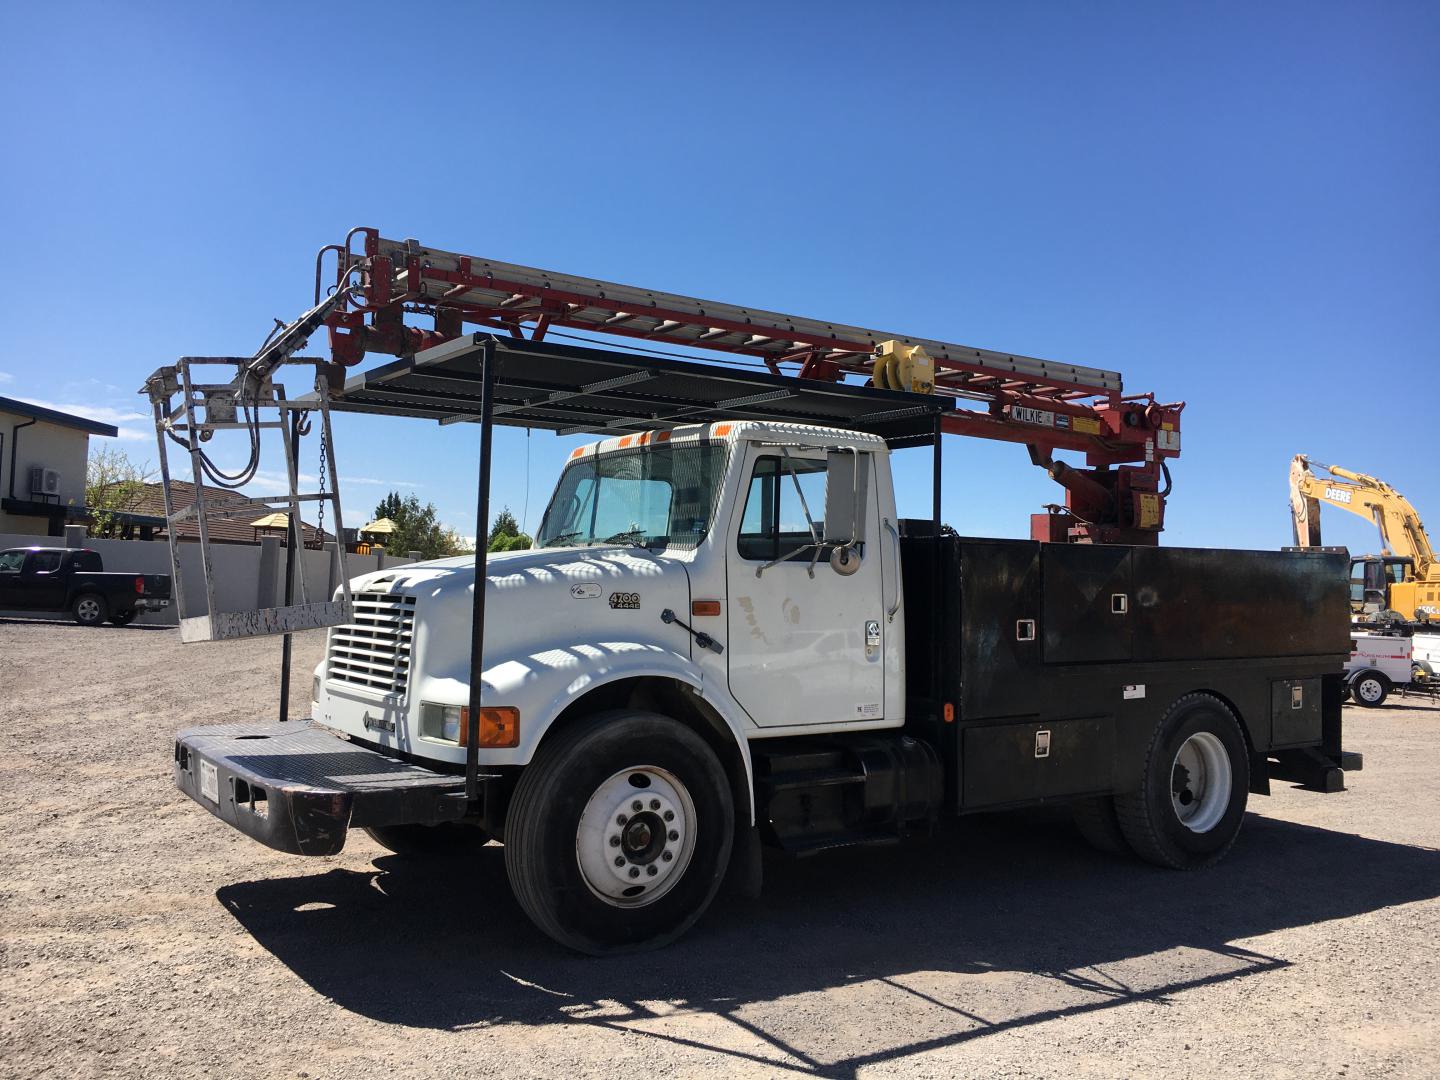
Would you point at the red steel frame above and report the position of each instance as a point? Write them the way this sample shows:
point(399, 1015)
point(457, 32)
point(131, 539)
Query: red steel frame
point(1126, 439)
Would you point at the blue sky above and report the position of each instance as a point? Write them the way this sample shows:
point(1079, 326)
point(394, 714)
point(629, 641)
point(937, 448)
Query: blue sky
point(1237, 205)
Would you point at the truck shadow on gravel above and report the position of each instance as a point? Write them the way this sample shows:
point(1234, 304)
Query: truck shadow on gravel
point(901, 933)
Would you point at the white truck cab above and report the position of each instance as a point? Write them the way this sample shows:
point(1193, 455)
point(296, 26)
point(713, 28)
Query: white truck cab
point(722, 526)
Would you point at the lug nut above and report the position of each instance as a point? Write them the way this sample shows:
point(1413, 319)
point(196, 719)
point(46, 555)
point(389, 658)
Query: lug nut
point(654, 804)
point(619, 860)
point(614, 841)
point(666, 855)
point(674, 835)
point(637, 806)
point(669, 815)
point(621, 820)
point(634, 871)
point(652, 870)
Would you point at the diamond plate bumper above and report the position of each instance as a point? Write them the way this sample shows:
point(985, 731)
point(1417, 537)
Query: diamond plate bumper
point(297, 788)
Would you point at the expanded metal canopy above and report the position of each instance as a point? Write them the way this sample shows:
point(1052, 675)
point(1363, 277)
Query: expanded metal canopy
point(572, 389)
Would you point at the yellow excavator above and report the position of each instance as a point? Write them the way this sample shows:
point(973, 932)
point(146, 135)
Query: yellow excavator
point(1402, 583)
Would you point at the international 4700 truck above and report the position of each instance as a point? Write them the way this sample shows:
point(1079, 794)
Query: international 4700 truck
point(726, 637)
point(672, 677)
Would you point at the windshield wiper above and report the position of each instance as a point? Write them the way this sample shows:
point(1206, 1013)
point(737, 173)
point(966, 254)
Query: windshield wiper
point(566, 539)
point(633, 537)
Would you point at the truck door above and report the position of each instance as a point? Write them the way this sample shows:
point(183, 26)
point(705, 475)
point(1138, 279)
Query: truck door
point(41, 582)
point(801, 650)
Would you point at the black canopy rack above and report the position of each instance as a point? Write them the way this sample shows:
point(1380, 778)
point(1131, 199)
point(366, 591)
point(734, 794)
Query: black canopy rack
point(573, 389)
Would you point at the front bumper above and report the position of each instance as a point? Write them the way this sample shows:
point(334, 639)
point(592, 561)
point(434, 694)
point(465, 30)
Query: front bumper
point(298, 788)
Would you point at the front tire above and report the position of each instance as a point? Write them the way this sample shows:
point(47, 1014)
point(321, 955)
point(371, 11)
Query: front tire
point(619, 833)
point(1192, 799)
point(1370, 688)
point(90, 609)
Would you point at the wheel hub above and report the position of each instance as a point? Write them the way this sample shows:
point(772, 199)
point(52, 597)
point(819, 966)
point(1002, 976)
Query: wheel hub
point(1201, 780)
point(636, 836)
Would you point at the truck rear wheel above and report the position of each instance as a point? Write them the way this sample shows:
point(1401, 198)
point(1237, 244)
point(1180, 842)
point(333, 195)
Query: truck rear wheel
point(619, 833)
point(1192, 800)
point(90, 609)
point(447, 838)
point(1099, 824)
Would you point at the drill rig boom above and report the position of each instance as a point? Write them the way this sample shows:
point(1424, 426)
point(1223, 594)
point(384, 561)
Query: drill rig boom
point(1047, 406)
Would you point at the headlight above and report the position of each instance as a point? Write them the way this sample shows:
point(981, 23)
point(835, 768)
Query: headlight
point(499, 725)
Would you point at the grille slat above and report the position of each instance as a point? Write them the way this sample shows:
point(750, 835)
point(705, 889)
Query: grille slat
point(373, 652)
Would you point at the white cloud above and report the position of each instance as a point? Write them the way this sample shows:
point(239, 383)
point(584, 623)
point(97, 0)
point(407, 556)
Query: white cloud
point(104, 414)
point(6, 377)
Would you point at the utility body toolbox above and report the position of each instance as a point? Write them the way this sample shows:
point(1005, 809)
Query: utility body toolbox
point(1040, 670)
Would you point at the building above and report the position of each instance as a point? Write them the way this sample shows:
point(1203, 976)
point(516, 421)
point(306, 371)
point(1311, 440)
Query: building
point(145, 517)
point(43, 454)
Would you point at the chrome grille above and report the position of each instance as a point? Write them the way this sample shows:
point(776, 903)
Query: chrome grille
point(373, 652)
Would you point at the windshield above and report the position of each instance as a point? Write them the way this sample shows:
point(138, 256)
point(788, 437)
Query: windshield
point(651, 496)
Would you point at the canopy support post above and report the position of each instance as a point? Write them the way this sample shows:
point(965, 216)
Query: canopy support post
point(477, 607)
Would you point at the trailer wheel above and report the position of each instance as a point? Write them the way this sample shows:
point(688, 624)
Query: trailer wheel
point(1192, 799)
point(1370, 688)
point(447, 838)
point(1099, 825)
point(619, 833)
point(90, 609)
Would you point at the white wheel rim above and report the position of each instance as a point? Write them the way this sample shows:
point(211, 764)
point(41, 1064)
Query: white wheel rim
point(630, 856)
point(1201, 781)
point(1368, 690)
point(89, 609)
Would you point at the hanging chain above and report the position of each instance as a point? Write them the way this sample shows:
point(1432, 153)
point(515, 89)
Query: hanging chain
point(324, 456)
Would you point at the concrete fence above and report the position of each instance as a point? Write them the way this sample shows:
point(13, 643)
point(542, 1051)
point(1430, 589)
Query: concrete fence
point(246, 576)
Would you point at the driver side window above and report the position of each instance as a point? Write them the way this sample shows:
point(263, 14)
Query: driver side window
point(774, 522)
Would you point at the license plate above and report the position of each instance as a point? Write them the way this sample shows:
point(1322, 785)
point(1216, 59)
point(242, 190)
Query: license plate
point(209, 781)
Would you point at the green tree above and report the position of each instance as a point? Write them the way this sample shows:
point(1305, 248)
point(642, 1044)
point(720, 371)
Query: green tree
point(113, 485)
point(505, 534)
point(417, 528)
point(505, 525)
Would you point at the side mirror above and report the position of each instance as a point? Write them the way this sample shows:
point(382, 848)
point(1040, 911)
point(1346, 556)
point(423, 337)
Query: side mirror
point(847, 486)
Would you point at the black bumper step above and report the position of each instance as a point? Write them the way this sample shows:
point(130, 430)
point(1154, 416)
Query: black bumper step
point(298, 788)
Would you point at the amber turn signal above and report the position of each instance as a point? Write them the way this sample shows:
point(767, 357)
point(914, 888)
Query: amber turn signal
point(499, 727)
point(705, 607)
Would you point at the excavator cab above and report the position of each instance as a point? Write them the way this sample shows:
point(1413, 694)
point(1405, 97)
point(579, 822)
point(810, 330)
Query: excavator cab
point(1371, 577)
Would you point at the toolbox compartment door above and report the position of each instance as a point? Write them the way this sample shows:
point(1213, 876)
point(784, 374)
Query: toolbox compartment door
point(1087, 606)
point(1032, 761)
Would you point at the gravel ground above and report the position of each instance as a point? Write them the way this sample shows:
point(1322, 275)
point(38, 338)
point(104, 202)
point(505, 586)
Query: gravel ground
point(143, 937)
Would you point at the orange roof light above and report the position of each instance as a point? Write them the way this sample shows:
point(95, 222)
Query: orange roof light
point(721, 430)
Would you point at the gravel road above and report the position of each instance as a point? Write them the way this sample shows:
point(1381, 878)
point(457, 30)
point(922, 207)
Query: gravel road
point(143, 937)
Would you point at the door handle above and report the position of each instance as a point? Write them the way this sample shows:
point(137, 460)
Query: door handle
point(895, 552)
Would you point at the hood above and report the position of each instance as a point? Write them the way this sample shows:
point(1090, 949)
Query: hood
point(536, 601)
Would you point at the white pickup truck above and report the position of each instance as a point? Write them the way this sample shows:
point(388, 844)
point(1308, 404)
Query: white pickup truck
point(725, 637)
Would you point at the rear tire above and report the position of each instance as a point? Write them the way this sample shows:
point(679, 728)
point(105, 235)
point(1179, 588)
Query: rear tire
point(1099, 824)
point(591, 870)
point(90, 609)
point(418, 841)
point(1370, 688)
point(1196, 783)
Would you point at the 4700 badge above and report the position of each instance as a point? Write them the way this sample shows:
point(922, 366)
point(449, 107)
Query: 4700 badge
point(626, 600)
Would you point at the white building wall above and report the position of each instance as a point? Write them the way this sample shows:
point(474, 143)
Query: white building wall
point(51, 446)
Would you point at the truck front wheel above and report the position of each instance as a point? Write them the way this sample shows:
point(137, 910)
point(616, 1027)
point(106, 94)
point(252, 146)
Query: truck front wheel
point(619, 833)
point(1188, 810)
point(90, 609)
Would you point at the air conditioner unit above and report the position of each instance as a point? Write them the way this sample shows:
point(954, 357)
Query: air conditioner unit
point(44, 481)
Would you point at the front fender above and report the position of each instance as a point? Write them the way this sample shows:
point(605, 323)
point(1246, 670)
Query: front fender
point(544, 685)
